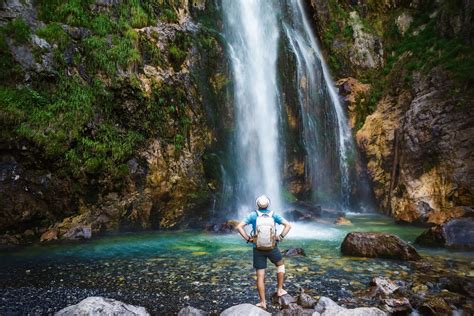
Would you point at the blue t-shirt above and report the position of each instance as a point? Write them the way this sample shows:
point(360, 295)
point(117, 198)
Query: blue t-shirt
point(252, 219)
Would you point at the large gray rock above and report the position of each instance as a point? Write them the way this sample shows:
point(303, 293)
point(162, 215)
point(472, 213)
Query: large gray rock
point(245, 309)
point(457, 233)
point(377, 245)
point(191, 311)
point(96, 305)
point(327, 307)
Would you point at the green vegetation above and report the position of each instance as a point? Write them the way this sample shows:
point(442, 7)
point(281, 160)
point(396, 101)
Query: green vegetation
point(90, 120)
point(178, 50)
point(17, 30)
point(421, 49)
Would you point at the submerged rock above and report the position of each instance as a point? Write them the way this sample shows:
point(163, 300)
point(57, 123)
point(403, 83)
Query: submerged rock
point(96, 305)
point(327, 307)
point(244, 309)
point(191, 311)
point(377, 245)
point(223, 228)
point(457, 233)
point(291, 252)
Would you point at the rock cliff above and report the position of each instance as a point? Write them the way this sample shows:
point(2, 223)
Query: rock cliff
point(106, 116)
point(406, 75)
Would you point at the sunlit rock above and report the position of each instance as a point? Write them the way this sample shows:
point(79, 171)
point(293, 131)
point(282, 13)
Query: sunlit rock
point(97, 305)
point(191, 311)
point(403, 22)
point(244, 309)
point(367, 50)
point(49, 235)
point(327, 307)
point(342, 221)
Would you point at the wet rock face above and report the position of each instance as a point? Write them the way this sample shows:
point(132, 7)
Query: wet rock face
point(457, 233)
point(418, 148)
point(166, 183)
point(30, 196)
point(97, 305)
point(377, 245)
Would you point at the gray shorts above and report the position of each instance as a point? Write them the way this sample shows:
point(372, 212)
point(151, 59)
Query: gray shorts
point(260, 257)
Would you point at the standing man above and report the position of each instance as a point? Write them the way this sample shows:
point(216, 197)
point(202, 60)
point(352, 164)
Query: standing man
point(264, 239)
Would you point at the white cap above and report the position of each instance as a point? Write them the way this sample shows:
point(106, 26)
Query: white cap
point(262, 202)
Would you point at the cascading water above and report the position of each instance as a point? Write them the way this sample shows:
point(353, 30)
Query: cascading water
point(252, 33)
point(252, 30)
point(325, 130)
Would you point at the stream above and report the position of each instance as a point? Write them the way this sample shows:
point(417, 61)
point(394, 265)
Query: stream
point(165, 271)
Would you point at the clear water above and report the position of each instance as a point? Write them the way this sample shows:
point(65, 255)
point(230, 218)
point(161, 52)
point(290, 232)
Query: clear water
point(165, 271)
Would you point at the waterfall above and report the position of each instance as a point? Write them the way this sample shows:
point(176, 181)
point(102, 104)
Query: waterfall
point(322, 114)
point(252, 30)
point(252, 34)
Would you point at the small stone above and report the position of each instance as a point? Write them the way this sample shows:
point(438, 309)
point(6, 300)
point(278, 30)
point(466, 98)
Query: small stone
point(191, 311)
point(341, 220)
point(49, 235)
point(284, 301)
point(244, 309)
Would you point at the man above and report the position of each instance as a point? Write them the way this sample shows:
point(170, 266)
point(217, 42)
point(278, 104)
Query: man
point(260, 256)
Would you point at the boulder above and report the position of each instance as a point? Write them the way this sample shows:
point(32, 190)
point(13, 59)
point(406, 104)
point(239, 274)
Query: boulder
point(377, 245)
point(191, 311)
point(291, 252)
point(244, 309)
point(96, 305)
point(457, 233)
point(296, 310)
point(327, 307)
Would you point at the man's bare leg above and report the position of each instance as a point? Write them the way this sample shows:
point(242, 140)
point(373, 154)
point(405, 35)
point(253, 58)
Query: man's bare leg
point(280, 279)
point(261, 287)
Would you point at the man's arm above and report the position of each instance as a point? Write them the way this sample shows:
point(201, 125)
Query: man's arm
point(286, 229)
point(242, 232)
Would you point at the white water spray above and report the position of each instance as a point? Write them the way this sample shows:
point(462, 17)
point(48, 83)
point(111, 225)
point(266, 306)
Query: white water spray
point(312, 90)
point(252, 34)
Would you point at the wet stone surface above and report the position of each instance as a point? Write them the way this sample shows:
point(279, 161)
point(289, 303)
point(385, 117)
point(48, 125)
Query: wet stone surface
point(165, 272)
